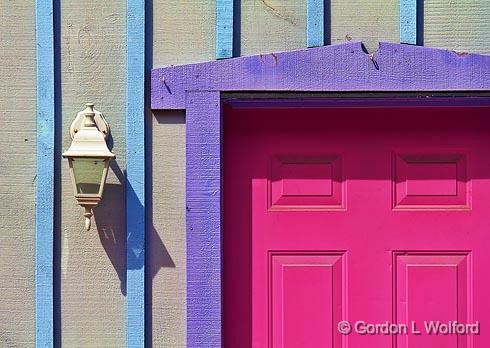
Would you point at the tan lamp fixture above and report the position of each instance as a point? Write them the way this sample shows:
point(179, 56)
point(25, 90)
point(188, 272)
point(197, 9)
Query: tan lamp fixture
point(88, 158)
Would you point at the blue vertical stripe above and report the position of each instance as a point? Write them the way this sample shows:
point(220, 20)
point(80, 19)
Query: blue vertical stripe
point(135, 174)
point(224, 29)
point(45, 173)
point(315, 19)
point(408, 21)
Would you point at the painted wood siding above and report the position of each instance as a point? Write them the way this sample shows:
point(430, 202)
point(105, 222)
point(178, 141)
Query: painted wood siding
point(17, 172)
point(271, 26)
point(183, 31)
point(166, 231)
point(90, 285)
point(195, 22)
point(366, 21)
point(462, 25)
point(93, 266)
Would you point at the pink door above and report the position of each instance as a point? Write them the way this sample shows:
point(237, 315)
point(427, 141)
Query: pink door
point(374, 218)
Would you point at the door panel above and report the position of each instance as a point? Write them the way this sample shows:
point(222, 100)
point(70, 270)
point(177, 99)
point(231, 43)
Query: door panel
point(436, 286)
point(306, 183)
point(430, 181)
point(367, 215)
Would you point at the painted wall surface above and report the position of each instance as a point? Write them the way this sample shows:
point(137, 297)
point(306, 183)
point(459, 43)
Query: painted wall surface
point(183, 31)
point(271, 26)
point(93, 69)
point(194, 21)
point(462, 25)
point(17, 172)
point(167, 239)
point(366, 21)
point(91, 281)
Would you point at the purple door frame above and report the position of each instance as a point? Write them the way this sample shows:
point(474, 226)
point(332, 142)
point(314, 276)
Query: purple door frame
point(198, 89)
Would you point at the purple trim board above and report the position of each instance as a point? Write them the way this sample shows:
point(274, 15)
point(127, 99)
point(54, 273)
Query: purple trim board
point(197, 88)
point(345, 67)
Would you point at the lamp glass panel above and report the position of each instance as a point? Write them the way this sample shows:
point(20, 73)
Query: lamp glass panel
point(88, 174)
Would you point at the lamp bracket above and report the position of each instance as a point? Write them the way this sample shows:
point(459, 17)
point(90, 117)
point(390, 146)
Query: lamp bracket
point(100, 121)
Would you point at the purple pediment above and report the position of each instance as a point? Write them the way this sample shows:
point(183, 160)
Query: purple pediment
point(344, 67)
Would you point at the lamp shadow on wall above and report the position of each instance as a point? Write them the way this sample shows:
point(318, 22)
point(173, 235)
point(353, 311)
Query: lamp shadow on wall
point(110, 223)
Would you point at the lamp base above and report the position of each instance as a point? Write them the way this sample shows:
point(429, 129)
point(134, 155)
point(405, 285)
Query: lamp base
point(88, 218)
point(88, 203)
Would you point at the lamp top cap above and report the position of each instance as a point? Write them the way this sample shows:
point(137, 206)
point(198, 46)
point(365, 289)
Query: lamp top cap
point(89, 109)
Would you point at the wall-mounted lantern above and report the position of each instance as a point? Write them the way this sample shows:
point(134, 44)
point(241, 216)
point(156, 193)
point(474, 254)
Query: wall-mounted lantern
point(88, 158)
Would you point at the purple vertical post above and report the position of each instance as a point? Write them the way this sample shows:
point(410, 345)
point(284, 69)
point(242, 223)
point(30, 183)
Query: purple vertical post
point(203, 179)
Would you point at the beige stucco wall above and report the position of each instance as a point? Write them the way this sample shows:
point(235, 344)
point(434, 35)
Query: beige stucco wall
point(93, 69)
point(93, 39)
point(17, 172)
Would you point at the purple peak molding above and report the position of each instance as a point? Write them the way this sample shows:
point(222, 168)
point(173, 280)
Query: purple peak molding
point(344, 67)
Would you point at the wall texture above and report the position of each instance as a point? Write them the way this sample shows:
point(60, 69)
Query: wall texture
point(167, 239)
point(271, 26)
point(194, 22)
point(462, 25)
point(183, 31)
point(366, 21)
point(92, 44)
point(93, 69)
point(17, 172)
